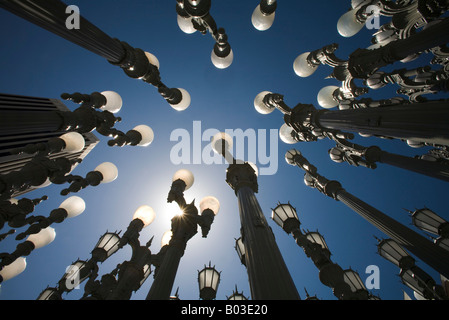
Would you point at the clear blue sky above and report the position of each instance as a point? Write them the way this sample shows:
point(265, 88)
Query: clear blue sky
point(36, 62)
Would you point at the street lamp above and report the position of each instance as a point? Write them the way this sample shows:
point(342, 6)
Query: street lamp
point(194, 15)
point(428, 252)
point(393, 252)
point(263, 16)
point(236, 295)
point(355, 282)
point(429, 221)
point(240, 248)
point(208, 281)
point(12, 270)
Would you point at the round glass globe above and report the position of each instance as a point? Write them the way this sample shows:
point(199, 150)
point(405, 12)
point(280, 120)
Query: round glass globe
point(211, 203)
point(108, 170)
point(285, 133)
point(74, 206)
point(186, 176)
point(348, 25)
point(415, 144)
point(146, 214)
point(147, 135)
point(253, 165)
point(43, 237)
point(325, 97)
point(222, 62)
point(218, 140)
point(185, 101)
point(74, 142)
point(152, 59)
point(302, 67)
point(114, 101)
point(186, 25)
point(261, 21)
point(336, 155)
point(260, 106)
point(14, 269)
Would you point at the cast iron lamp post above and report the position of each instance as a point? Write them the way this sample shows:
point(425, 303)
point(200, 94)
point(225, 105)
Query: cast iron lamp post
point(269, 277)
point(411, 275)
point(263, 16)
point(137, 64)
point(315, 247)
point(424, 122)
point(428, 252)
point(183, 228)
point(122, 281)
point(208, 281)
point(194, 15)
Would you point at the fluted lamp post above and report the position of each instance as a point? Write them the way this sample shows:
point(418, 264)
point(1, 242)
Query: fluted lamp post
point(315, 247)
point(264, 14)
point(428, 252)
point(208, 281)
point(268, 275)
point(136, 63)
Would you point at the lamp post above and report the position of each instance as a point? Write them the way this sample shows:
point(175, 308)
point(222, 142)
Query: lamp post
point(137, 64)
point(195, 15)
point(418, 121)
point(208, 281)
point(315, 247)
point(268, 275)
point(263, 16)
point(183, 228)
point(411, 275)
point(428, 252)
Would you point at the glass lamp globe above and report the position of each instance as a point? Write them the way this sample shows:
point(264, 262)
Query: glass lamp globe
point(260, 106)
point(14, 269)
point(74, 142)
point(185, 101)
point(261, 21)
point(222, 62)
point(74, 206)
point(114, 101)
point(186, 25)
point(185, 175)
point(42, 238)
point(147, 135)
point(302, 67)
point(415, 144)
point(146, 214)
point(152, 59)
point(285, 133)
point(325, 97)
point(253, 165)
point(166, 237)
point(108, 170)
point(348, 25)
point(336, 155)
point(219, 139)
point(211, 203)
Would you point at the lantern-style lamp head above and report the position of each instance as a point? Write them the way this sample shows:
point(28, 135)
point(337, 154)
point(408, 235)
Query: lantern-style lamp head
point(12, 270)
point(236, 295)
point(145, 214)
point(208, 280)
point(352, 278)
point(317, 238)
point(285, 216)
point(419, 281)
point(75, 274)
point(74, 142)
point(106, 246)
point(393, 252)
point(429, 221)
